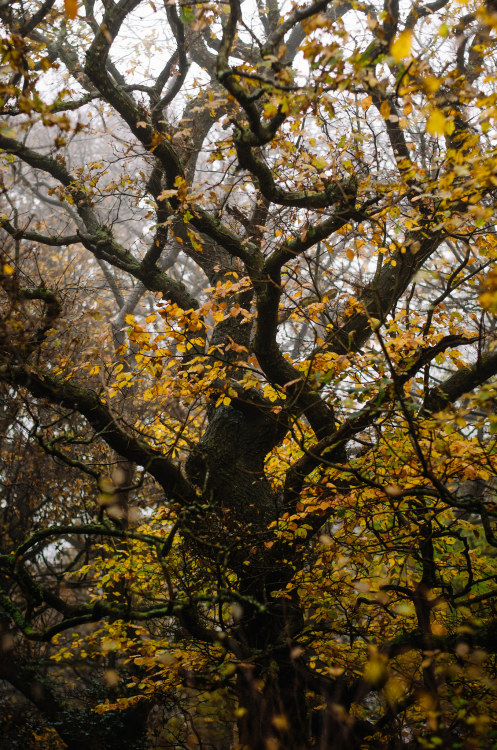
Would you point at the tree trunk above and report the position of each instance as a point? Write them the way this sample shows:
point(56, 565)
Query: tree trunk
point(273, 700)
point(228, 466)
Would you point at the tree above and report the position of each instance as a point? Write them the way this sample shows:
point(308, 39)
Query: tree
point(248, 368)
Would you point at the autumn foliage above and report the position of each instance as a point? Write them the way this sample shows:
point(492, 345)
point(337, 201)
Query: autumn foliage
point(248, 374)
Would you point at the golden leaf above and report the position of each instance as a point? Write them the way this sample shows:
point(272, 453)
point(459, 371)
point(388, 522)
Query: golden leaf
point(366, 103)
point(431, 84)
point(319, 162)
point(436, 122)
point(71, 8)
point(374, 670)
point(385, 110)
point(281, 722)
point(401, 46)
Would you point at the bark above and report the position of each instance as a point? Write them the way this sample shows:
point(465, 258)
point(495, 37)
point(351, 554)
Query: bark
point(228, 465)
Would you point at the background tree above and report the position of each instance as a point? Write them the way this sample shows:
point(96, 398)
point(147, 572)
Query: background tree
point(248, 323)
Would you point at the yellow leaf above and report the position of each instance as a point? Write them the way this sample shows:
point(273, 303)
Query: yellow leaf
point(270, 110)
point(281, 722)
point(71, 8)
point(366, 103)
point(394, 690)
point(165, 194)
point(436, 122)
point(401, 46)
point(431, 84)
point(350, 254)
point(8, 269)
point(385, 110)
point(374, 670)
point(319, 162)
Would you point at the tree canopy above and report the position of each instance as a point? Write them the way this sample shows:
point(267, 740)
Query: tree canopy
point(248, 374)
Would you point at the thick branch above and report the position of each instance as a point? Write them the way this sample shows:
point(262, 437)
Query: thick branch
point(89, 404)
point(44, 239)
point(461, 382)
point(379, 297)
point(334, 192)
point(301, 398)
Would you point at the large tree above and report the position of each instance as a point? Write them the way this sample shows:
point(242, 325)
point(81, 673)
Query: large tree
point(248, 372)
